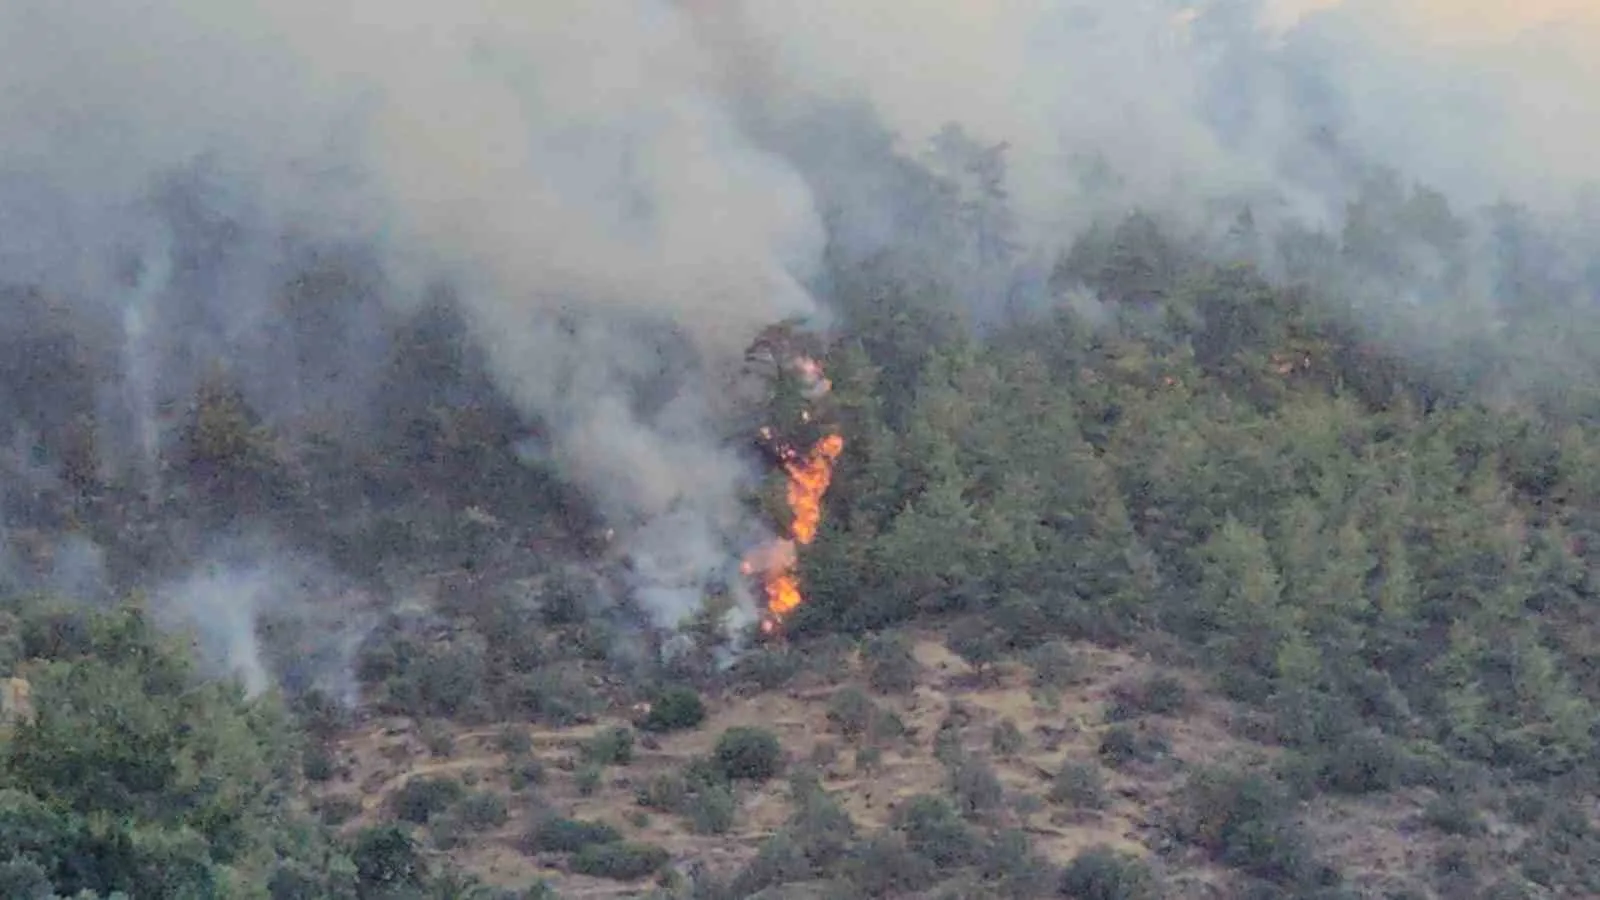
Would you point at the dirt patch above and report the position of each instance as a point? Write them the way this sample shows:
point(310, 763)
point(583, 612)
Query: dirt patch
point(870, 779)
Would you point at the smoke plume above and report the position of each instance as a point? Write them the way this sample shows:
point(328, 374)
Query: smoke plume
point(566, 168)
point(268, 615)
point(620, 193)
point(1199, 100)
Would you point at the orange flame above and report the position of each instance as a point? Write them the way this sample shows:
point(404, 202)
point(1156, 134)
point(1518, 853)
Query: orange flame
point(809, 476)
point(808, 481)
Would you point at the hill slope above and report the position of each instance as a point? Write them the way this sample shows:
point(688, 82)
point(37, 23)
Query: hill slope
point(1042, 766)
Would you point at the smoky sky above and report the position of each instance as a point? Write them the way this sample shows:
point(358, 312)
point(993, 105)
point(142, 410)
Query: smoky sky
point(587, 175)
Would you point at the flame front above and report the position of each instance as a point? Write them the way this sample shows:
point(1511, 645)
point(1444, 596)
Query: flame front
point(809, 475)
point(808, 481)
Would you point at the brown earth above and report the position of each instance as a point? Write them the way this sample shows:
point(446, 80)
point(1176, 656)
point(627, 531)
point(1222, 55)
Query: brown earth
point(1057, 727)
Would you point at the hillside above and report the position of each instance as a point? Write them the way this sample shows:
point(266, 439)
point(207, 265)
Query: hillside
point(1328, 607)
point(873, 754)
point(1204, 587)
point(1126, 774)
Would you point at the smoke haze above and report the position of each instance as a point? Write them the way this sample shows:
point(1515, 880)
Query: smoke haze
point(620, 193)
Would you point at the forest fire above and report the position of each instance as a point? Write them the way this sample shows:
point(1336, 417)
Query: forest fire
point(809, 474)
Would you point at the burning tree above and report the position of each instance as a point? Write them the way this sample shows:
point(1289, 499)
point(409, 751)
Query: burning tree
point(806, 452)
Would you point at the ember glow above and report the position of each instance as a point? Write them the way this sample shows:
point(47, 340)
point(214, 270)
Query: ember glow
point(809, 474)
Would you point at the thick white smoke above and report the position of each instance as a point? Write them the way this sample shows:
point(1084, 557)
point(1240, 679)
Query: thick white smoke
point(565, 166)
point(586, 175)
point(573, 158)
point(1209, 98)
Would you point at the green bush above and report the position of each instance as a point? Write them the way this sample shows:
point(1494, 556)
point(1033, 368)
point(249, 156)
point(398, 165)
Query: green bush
point(23, 879)
point(1079, 784)
point(558, 835)
point(443, 680)
point(1010, 862)
point(622, 861)
point(977, 643)
point(587, 779)
point(1054, 666)
point(447, 831)
point(891, 667)
point(711, 810)
point(1453, 814)
point(523, 772)
point(514, 740)
point(611, 747)
point(1122, 744)
point(386, 858)
point(439, 739)
point(885, 865)
point(554, 696)
point(483, 810)
point(335, 811)
point(1161, 695)
point(674, 709)
point(935, 831)
point(751, 753)
point(702, 771)
point(1362, 763)
point(770, 669)
point(1101, 873)
point(420, 798)
point(665, 792)
point(975, 787)
point(851, 712)
point(781, 859)
point(1007, 739)
point(1241, 820)
point(317, 762)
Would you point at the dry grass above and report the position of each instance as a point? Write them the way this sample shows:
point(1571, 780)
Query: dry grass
point(1065, 727)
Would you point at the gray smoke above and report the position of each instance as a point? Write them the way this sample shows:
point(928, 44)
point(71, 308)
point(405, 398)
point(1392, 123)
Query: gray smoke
point(1194, 110)
point(620, 193)
point(566, 168)
point(262, 613)
point(1196, 100)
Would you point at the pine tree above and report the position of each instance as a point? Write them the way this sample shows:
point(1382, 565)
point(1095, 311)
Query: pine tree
point(931, 558)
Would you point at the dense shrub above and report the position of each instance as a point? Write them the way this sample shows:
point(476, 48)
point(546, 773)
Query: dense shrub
point(1101, 873)
point(674, 709)
point(891, 667)
point(711, 809)
point(665, 792)
point(885, 865)
point(1007, 739)
point(483, 810)
point(523, 772)
point(587, 779)
point(1123, 744)
point(317, 762)
point(622, 861)
point(1054, 665)
point(977, 643)
point(1079, 784)
point(975, 787)
point(1160, 694)
point(558, 835)
point(934, 829)
point(750, 753)
point(514, 741)
point(851, 712)
point(554, 695)
point(1242, 821)
point(420, 798)
point(386, 858)
point(611, 747)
